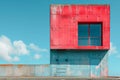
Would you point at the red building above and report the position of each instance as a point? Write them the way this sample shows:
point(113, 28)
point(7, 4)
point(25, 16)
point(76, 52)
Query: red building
point(80, 35)
point(66, 22)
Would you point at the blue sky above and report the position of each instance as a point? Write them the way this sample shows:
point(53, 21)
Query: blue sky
point(24, 31)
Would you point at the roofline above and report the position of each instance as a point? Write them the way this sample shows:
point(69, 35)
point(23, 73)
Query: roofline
point(80, 4)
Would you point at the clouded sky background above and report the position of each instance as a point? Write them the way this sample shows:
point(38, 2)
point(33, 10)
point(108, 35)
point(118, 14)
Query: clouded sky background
point(24, 31)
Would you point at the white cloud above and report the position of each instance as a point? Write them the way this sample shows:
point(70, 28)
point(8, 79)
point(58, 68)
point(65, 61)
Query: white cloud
point(20, 47)
point(11, 51)
point(7, 48)
point(113, 49)
point(37, 56)
point(34, 47)
point(37, 48)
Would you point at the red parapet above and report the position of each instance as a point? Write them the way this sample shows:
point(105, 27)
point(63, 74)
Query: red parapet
point(64, 21)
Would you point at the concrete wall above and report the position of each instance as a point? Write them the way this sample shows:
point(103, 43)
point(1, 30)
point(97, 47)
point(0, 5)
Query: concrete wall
point(24, 70)
point(79, 63)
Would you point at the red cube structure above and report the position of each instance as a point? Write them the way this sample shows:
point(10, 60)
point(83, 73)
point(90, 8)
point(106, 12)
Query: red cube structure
point(64, 21)
point(79, 40)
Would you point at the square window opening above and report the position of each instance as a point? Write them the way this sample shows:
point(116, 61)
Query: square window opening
point(90, 34)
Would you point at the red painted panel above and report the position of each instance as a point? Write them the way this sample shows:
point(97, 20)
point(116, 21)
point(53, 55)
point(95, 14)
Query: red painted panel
point(64, 25)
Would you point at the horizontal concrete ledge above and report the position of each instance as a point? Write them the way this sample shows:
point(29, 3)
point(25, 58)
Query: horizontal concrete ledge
point(57, 78)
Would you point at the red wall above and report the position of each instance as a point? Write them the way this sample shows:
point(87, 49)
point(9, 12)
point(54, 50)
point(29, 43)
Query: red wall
point(64, 25)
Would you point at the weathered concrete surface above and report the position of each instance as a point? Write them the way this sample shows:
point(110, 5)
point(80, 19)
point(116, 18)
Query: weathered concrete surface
point(85, 64)
point(22, 70)
point(57, 78)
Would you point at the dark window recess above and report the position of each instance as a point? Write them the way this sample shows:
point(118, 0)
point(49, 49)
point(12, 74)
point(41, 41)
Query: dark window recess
point(66, 60)
point(89, 34)
point(57, 60)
